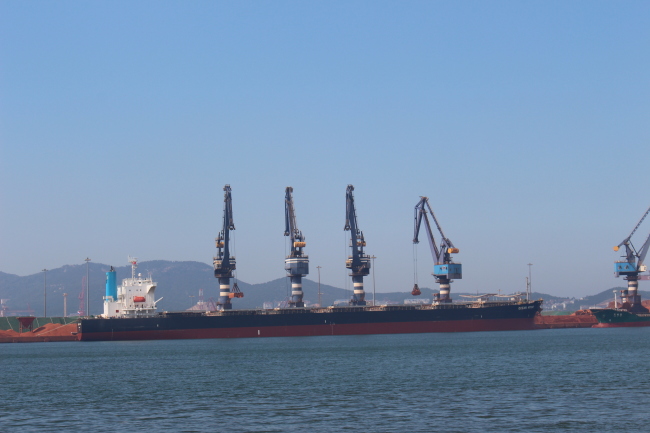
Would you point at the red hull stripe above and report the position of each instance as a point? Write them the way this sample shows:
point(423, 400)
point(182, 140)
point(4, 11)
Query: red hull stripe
point(622, 325)
point(316, 330)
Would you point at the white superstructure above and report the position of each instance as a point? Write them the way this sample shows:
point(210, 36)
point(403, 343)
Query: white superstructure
point(134, 298)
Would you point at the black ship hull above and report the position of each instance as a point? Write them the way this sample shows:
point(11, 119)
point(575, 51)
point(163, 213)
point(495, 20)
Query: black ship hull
point(499, 316)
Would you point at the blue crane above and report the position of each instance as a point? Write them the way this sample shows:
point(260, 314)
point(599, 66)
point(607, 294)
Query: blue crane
point(444, 268)
point(224, 263)
point(358, 262)
point(630, 268)
point(297, 263)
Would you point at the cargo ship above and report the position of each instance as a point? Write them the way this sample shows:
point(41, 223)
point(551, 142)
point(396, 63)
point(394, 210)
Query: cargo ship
point(130, 314)
point(617, 318)
point(294, 322)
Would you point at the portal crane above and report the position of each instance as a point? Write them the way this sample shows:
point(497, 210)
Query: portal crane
point(630, 268)
point(297, 263)
point(224, 263)
point(444, 268)
point(82, 297)
point(358, 262)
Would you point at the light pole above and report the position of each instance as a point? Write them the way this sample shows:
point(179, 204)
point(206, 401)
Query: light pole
point(87, 288)
point(530, 280)
point(44, 292)
point(319, 303)
point(373, 280)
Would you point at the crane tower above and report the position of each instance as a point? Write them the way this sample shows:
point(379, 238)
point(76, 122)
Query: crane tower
point(358, 262)
point(224, 263)
point(297, 262)
point(630, 268)
point(444, 268)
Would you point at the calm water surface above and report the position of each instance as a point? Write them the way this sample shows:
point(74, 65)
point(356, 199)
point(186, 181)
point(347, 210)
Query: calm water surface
point(592, 380)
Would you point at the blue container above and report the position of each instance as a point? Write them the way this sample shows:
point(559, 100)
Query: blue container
point(111, 284)
point(453, 271)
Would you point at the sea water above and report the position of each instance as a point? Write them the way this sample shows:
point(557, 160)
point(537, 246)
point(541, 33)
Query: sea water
point(591, 380)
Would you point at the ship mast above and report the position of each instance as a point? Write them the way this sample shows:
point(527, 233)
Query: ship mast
point(134, 265)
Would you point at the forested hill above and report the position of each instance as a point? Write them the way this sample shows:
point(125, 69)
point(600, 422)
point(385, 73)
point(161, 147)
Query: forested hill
point(179, 284)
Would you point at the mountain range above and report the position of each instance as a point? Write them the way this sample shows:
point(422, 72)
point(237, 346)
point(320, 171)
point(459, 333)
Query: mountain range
point(178, 283)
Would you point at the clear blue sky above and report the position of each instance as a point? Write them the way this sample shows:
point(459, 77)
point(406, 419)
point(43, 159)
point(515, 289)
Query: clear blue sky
point(525, 122)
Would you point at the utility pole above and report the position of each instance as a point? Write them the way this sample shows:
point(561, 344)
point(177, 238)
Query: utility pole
point(44, 292)
point(319, 302)
point(530, 280)
point(373, 280)
point(527, 290)
point(87, 288)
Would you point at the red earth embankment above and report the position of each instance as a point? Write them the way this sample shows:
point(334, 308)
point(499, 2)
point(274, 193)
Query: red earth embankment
point(579, 319)
point(47, 332)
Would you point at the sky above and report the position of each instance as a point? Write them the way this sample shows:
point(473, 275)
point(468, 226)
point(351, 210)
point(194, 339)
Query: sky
point(525, 123)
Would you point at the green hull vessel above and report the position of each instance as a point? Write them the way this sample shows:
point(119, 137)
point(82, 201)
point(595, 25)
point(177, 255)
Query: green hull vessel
point(609, 318)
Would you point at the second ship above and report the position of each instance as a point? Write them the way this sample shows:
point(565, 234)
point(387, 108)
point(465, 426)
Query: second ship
point(130, 311)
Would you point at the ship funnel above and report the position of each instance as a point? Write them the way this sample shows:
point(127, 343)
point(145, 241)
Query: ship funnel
point(111, 284)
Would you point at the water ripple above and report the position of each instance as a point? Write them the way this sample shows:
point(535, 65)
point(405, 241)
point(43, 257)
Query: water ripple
point(542, 381)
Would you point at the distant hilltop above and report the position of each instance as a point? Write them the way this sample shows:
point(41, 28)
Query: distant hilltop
point(179, 284)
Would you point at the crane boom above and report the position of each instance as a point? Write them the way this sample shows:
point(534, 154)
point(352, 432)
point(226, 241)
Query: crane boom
point(444, 269)
point(627, 239)
point(224, 263)
point(358, 262)
point(297, 263)
point(631, 267)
